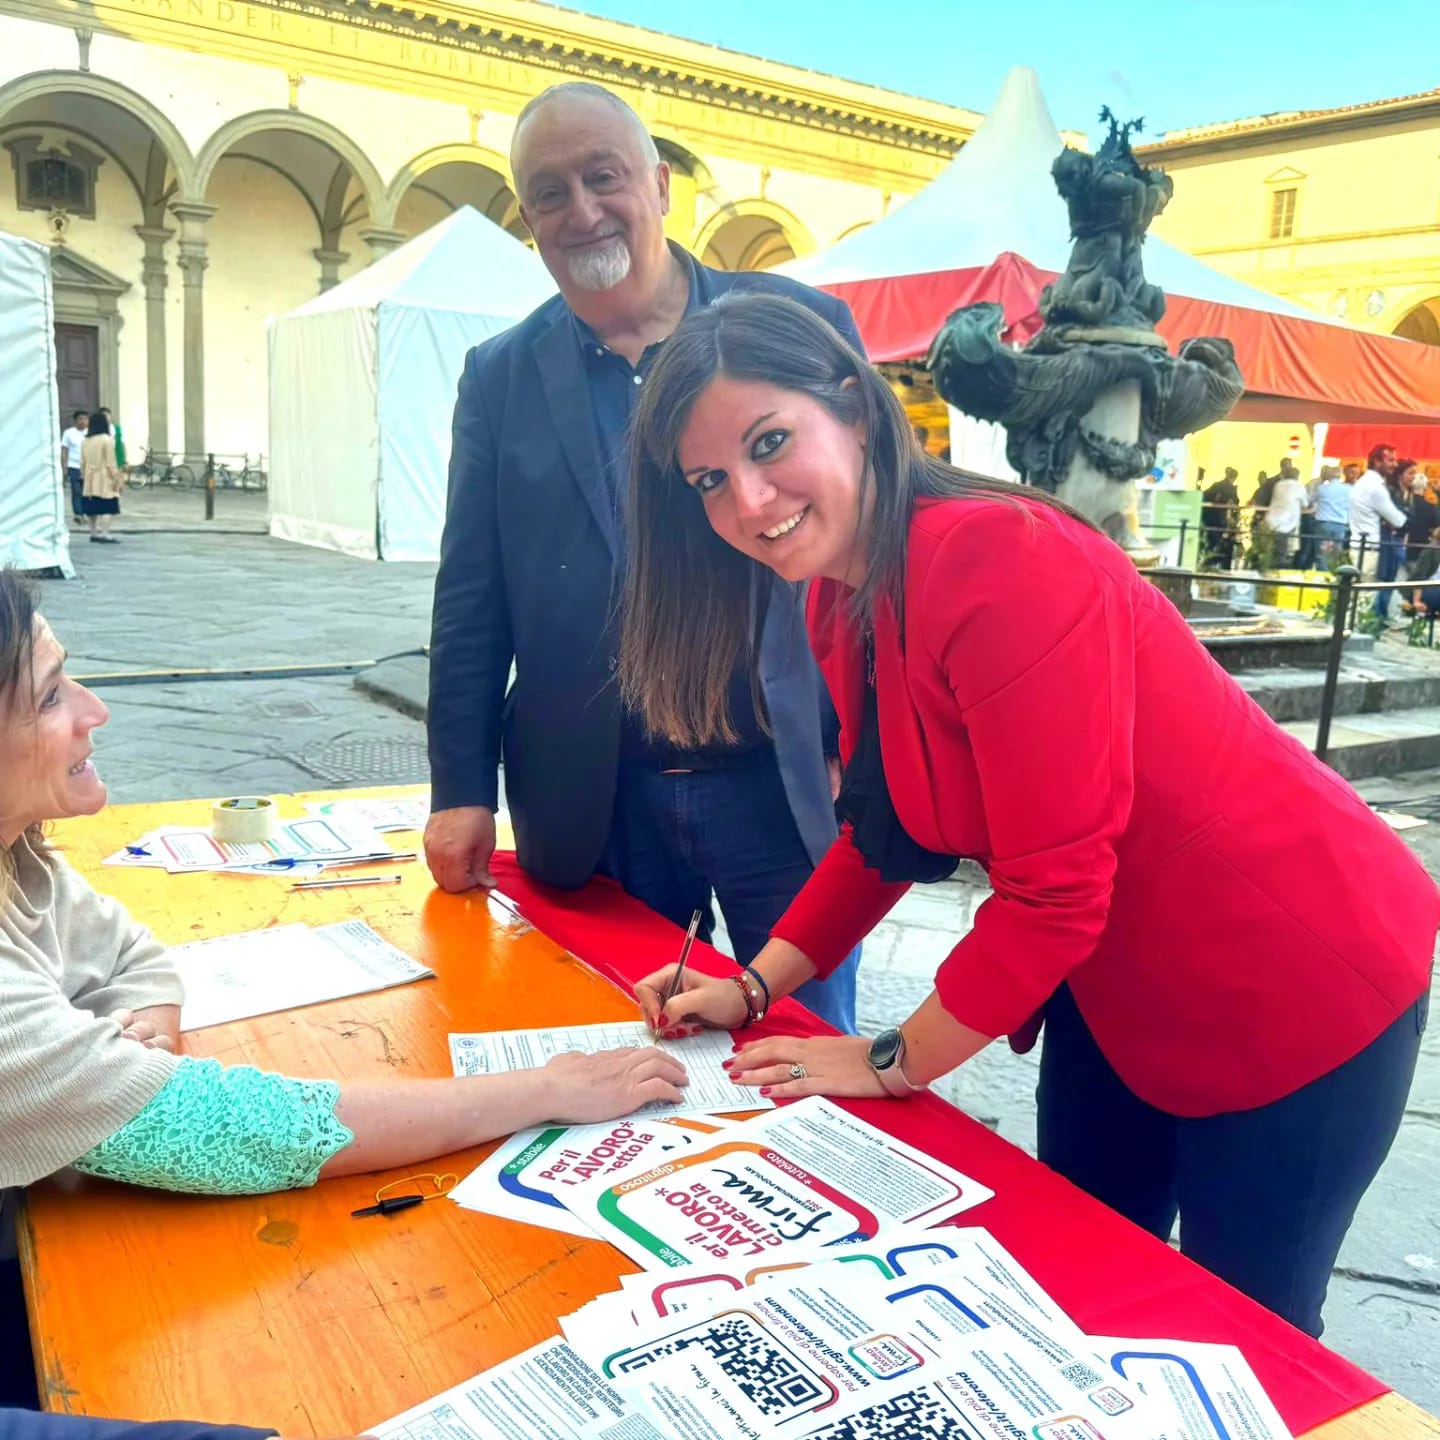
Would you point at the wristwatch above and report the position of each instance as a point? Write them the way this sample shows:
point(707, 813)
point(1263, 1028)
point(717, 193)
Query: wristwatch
point(887, 1060)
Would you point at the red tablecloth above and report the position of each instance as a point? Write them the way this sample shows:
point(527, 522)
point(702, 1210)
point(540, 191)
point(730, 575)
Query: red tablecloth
point(1112, 1278)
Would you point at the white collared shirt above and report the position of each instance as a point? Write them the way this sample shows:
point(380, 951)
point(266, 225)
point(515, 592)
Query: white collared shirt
point(1370, 504)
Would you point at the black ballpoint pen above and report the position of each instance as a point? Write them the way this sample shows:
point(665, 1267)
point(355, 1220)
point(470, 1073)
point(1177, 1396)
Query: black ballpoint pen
point(389, 1206)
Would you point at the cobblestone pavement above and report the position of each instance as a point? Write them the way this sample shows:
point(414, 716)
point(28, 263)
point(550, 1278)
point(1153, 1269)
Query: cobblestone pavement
point(179, 595)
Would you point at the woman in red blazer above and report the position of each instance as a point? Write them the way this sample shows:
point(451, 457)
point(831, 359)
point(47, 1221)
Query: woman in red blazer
point(1231, 953)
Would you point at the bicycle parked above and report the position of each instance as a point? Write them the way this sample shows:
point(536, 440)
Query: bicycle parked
point(159, 469)
point(247, 477)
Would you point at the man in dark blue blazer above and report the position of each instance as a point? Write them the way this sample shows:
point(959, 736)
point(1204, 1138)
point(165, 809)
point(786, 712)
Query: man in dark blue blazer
point(534, 546)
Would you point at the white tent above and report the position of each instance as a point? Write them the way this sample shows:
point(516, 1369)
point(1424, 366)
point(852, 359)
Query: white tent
point(362, 387)
point(993, 227)
point(33, 504)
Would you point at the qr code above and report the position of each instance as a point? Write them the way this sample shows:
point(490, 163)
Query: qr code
point(1080, 1375)
point(912, 1415)
point(759, 1365)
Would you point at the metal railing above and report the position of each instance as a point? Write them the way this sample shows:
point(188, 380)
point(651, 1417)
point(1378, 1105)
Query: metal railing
point(1250, 540)
point(1347, 588)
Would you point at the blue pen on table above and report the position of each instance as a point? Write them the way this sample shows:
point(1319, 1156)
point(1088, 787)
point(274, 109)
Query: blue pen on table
point(290, 862)
point(137, 850)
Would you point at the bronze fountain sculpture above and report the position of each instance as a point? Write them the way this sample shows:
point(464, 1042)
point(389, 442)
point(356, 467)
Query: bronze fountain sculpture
point(1086, 401)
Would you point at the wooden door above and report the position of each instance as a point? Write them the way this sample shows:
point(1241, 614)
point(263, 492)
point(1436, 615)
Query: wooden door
point(77, 357)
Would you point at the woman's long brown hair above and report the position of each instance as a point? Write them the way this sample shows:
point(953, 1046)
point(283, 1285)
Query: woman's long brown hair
point(693, 607)
point(17, 653)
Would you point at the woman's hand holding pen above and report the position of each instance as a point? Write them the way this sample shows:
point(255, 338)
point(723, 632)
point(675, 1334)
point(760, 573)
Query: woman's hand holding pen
point(702, 1000)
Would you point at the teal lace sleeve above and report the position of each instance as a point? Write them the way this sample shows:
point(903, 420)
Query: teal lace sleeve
point(225, 1130)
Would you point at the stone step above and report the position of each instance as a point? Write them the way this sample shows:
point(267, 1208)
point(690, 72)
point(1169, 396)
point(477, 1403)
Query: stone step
point(402, 683)
point(1379, 683)
point(1377, 744)
point(1387, 713)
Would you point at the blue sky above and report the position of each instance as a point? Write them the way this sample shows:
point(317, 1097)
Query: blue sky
point(1177, 62)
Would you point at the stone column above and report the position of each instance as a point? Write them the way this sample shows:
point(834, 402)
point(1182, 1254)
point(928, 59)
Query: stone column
point(194, 257)
point(382, 241)
point(330, 263)
point(155, 272)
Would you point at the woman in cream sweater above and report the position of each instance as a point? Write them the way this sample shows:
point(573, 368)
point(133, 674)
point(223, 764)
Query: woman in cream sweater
point(90, 1010)
point(103, 479)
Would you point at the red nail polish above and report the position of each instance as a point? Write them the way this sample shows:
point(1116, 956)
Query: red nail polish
point(726, 1064)
point(764, 1089)
point(663, 1021)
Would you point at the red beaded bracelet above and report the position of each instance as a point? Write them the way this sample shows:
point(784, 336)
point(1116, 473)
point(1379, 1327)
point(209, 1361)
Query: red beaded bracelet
point(752, 1014)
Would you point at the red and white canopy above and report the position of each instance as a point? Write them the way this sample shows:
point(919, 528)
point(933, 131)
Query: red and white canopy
point(993, 227)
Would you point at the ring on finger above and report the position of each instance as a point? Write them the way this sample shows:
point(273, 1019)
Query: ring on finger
point(798, 1072)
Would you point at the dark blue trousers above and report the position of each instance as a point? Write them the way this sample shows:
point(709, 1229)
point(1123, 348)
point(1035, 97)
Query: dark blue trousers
point(77, 491)
point(676, 839)
point(1264, 1196)
point(1392, 552)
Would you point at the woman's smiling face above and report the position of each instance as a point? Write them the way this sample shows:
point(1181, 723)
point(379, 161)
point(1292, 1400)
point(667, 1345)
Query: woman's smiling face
point(45, 768)
point(780, 477)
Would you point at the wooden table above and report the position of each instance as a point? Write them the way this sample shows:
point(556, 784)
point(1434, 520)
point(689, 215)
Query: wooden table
point(281, 1310)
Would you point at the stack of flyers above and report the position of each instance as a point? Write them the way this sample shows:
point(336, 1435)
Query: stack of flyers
point(936, 1334)
point(298, 847)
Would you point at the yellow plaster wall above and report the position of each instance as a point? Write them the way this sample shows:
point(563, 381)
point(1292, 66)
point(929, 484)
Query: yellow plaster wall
point(1366, 240)
point(246, 285)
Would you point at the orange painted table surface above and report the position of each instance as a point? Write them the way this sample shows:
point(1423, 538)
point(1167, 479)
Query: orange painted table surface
point(281, 1310)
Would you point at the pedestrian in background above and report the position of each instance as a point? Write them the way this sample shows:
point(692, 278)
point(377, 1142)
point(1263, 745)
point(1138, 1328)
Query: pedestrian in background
point(103, 479)
point(1371, 507)
point(71, 465)
point(1424, 512)
point(1331, 498)
point(1287, 505)
point(1217, 519)
point(119, 434)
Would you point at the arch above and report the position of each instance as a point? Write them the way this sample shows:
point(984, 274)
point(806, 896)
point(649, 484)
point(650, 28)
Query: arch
point(45, 84)
point(751, 235)
point(853, 230)
point(686, 161)
point(436, 156)
point(1421, 322)
point(493, 195)
point(296, 122)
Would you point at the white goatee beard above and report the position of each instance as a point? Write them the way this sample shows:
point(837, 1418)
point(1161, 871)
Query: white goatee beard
point(602, 268)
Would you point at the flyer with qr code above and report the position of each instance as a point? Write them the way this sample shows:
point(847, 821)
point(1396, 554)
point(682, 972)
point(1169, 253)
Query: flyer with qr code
point(986, 1386)
point(811, 1340)
point(547, 1393)
point(1202, 1392)
point(801, 1179)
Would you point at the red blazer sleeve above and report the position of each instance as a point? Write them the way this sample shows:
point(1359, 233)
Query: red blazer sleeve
point(1036, 643)
point(838, 906)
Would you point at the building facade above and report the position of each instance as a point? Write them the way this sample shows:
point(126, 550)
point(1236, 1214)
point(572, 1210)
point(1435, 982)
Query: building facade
point(1337, 210)
point(202, 166)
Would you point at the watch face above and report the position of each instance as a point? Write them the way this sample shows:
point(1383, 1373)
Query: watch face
point(884, 1048)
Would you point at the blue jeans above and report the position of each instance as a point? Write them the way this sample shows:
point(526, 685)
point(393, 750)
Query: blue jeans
point(1331, 535)
point(676, 839)
point(77, 491)
point(1264, 1196)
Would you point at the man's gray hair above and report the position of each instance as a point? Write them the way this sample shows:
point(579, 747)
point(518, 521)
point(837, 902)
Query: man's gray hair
point(585, 90)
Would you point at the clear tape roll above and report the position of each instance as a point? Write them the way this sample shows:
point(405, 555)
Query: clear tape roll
point(244, 819)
